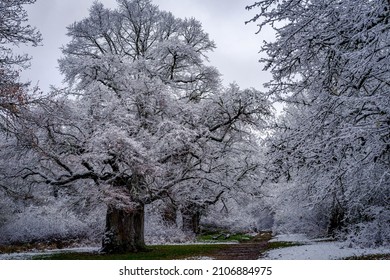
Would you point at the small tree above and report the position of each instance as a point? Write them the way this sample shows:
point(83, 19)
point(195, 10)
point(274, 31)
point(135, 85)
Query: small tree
point(13, 93)
point(13, 32)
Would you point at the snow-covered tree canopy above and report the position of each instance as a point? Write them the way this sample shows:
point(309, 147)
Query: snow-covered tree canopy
point(140, 37)
point(146, 102)
point(330, 64)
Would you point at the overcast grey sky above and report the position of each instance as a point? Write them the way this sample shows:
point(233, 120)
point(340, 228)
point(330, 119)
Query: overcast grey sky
point(236, 55)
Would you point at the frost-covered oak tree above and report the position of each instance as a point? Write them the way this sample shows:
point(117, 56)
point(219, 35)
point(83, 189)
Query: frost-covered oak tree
point(144, 118)
point(331, 69)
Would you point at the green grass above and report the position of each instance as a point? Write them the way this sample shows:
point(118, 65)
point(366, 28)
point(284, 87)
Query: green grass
point(158, 252)
point(224, 237)
point(170, 252)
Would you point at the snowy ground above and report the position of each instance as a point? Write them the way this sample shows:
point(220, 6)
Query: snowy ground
point(309, 250)
point(317, 249)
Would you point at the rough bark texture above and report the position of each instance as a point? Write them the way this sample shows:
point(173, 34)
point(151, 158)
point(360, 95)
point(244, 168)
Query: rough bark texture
point(124, 230)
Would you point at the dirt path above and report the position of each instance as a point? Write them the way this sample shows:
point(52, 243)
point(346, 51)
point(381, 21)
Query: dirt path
point(250, 250)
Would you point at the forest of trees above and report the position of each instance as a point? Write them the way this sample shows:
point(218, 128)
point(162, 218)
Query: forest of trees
point(146, 135)
point(331, 147)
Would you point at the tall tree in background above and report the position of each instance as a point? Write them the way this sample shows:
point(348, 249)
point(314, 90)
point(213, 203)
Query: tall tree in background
point(331, 69)
point(14, 95)
point(13, 32)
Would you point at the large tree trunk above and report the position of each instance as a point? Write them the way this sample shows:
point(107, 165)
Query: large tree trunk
point(336, 220)
point(124, 230)
point(191, 219)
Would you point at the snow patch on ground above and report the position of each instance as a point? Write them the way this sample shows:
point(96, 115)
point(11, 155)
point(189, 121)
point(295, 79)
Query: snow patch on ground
point(291, 238)
point(30, 255)
point(317, 249)
point(200, 258)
